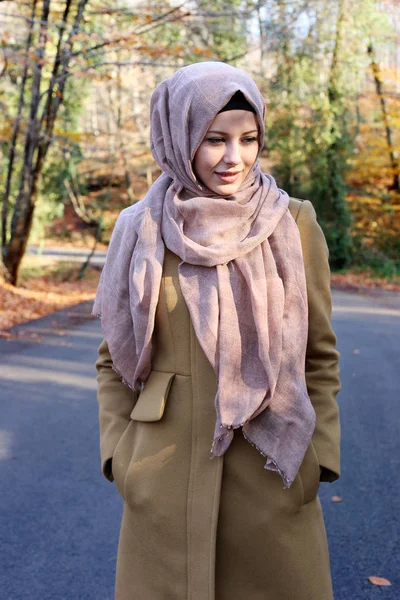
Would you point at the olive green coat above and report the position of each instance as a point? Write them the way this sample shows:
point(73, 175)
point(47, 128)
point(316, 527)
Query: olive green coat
point(221, 529)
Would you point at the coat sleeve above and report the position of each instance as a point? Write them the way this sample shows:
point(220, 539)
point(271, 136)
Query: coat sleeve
point(116, 401)
point(322, 358)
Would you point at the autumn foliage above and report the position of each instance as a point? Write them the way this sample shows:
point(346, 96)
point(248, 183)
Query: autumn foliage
point(75, 82)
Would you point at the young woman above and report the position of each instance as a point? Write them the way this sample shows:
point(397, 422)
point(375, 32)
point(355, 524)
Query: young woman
point(215, 307)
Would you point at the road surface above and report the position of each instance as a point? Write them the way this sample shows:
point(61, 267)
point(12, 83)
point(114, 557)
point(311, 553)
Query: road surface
point(59, 518)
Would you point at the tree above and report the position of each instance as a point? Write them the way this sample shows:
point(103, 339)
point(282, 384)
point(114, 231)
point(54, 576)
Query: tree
point(61, 44)
point(328, 170)
point(393, 153)
point(44, 100)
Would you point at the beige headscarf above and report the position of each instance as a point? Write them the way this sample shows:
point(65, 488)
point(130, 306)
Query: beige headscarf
point(242, 275)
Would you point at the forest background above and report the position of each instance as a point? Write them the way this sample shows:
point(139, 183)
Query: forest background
point(75, 82)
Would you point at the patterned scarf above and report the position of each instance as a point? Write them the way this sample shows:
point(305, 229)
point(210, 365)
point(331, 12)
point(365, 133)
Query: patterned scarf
point(242, 275)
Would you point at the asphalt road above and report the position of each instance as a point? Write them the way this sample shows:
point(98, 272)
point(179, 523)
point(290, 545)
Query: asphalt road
point(60, 254)
point(59, 519)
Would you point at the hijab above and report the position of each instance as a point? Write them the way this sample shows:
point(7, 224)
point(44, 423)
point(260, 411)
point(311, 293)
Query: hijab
point(241, 274)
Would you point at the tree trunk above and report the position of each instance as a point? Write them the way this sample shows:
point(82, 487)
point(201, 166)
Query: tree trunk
point(335, 174)
point(337, 215)
point(120, 136)
point(17, 246)
point(13, 143)
point(285, 77)
point(21, 222)
point(262, 37)
point(393, 154)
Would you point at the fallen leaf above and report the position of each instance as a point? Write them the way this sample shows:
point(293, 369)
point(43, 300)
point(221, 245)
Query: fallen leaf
point(364, 281)
point(336, 499)
point(379, 580)
point(42, 294)
point(5, 334)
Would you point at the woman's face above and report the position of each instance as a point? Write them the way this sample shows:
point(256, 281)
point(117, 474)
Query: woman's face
point(228, 151)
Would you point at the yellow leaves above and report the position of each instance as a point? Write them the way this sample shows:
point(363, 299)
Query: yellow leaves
point(6, 38)
point(5, 133)
point(379, 581)
point(71, 135)
point(79, 37)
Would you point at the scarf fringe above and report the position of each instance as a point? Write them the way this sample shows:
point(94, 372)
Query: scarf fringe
point(124, 381)
point(271, 464)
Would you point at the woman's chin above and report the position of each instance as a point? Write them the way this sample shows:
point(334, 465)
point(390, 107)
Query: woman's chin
point(225, 189)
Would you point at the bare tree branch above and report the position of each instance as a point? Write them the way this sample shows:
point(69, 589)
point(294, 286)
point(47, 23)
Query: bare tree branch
point(86, 216)
point(56, 100)
point(147, 27)
point(57, 62)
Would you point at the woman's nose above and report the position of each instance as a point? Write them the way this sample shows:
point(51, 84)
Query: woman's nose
point(232, 154)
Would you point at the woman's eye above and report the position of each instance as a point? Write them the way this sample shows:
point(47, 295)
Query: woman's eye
point(215, 141)
point(249, 140)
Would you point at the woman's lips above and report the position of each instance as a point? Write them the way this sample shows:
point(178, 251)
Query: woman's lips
point(228, 177)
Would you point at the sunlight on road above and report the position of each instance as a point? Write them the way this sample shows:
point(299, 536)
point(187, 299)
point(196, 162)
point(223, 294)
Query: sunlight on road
point(5, 444)
point(368, 310)
point(46, 375)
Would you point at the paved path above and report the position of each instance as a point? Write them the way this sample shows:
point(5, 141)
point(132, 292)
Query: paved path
point(364, 529)
point(60, 253)
point(59, 519)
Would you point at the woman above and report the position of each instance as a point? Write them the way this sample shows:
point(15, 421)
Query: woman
point(215, 307)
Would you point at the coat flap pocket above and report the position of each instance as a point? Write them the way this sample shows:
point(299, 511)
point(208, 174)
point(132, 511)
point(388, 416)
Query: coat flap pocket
point(151, 402)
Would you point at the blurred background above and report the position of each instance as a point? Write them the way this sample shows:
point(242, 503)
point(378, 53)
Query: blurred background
point(75, 82)
point(76, 78)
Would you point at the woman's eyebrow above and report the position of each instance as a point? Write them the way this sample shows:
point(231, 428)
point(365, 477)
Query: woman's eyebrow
point(225, 133)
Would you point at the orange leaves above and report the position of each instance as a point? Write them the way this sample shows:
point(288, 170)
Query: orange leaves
point(42, 295)
point(363, 280)
point(202, 52)
point(379, 581)
point(172, 50)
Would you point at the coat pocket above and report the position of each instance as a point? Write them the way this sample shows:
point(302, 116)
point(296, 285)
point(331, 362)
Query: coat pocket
point(309, 474)
point(153, 397)
point(149, 408)
point(121, 458)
